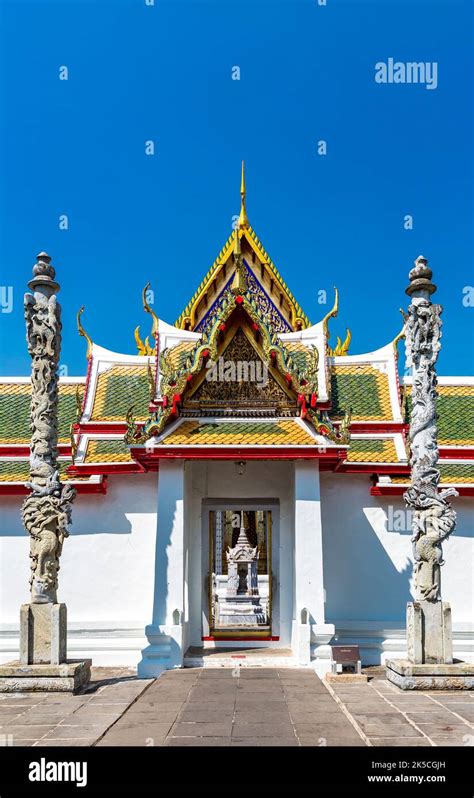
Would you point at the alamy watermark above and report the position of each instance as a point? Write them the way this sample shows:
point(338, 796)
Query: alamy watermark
point(424, 72)
point(237, 371)
point(44, 770)
point(6, 298)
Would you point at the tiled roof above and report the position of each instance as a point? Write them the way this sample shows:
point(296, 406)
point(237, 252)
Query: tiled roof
point(372, 450)
point(179, 354)
point(299, 353)
point(455, 409)
point(16, 470)
point(118, 389)
point(362, 387)
point(107, 451)
point(15, 411)
point(239, 433)
point(451, 474)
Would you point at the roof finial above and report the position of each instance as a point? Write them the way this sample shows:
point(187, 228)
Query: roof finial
point(82, 332)
point(332, 314)
point(237, 248)
point(239, 283)
point(148, 309)
point(243, 221)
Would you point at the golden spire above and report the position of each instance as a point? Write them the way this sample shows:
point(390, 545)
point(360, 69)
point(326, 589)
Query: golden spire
point(243, 221)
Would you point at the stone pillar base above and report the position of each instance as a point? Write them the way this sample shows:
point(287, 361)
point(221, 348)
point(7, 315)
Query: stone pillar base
point(412, 676)
point(43, 634)
point(429, 633)
point(66, 677)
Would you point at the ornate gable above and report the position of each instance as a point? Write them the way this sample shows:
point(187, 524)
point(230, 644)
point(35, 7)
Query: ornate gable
point(241, 379)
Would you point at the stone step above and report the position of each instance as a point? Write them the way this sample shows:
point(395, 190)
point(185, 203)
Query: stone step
point(240, 658)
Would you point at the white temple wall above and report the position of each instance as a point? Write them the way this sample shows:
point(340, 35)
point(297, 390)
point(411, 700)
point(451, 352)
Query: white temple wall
point(106, 576)
point(368, 567)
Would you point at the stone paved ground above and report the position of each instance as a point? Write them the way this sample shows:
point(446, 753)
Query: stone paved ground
point(59, 719)
point(215, 706)
point(251, 706)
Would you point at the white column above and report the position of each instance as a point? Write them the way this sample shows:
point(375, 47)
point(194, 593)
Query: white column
point(310, 633)
point(165, 633)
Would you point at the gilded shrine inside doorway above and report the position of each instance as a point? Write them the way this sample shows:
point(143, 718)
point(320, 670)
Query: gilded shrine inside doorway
point(240, 573)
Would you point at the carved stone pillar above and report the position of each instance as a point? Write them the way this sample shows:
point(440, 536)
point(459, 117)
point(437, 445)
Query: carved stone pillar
point(47, 510)
point(429, 637)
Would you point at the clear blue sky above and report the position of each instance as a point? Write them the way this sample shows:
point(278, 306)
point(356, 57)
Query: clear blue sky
point(164, 72)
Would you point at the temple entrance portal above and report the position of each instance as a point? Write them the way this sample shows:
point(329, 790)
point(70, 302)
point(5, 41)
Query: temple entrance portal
point(240, 573)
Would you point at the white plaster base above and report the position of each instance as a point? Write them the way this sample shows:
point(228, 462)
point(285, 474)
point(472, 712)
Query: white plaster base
point(301, 642)
point(164, 652)
point(321, 636)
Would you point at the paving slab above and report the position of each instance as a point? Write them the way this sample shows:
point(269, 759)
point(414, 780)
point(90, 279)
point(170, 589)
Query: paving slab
point(76, 732)
point(255, 742)
point(83, 742)
point(27, 732)
point(386, 727)
point(280, 730)
point(331, 741)
point(213, 729)
point(445, 729)
point(415, 704)
point(260, 715)
point(206, 716)
point(411, 742)
point(73, 721)
point(207, 742)
point(438, 716)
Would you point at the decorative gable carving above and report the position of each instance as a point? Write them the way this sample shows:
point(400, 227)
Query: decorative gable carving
point(240, 378)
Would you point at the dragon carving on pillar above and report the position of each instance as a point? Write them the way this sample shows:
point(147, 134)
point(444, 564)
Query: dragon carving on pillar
point(433, 517)
point(46, 512)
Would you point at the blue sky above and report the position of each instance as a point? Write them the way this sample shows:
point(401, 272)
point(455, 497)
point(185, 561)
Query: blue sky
point(164, 73)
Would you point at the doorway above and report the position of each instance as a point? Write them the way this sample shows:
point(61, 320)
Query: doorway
point(239, 581)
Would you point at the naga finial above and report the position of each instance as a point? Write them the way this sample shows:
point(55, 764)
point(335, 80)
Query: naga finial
point(400, 335)
point(342, 347)
point(148, 309)
point(332, 314)
point(82, 332)
point(144, 347)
